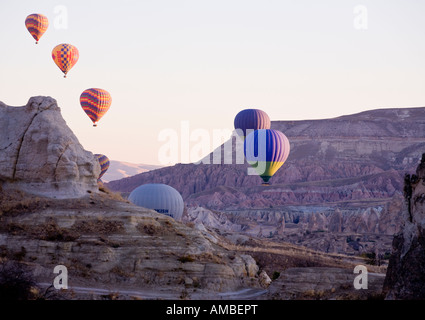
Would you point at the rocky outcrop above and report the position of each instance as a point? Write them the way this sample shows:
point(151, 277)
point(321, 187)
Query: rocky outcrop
point(335, 221)
point(115, 246)
point(405, 277)
point(40, 154)
point(208, 218)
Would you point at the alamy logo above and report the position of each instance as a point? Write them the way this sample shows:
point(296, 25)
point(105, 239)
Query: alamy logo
point(188, 146)
point(360, 17)
point(60, 281)
point(61, 17)
point(360, 281)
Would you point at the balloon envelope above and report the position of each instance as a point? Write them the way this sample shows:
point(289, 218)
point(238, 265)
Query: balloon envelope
point(253, 119)
point(159, 197)
point(37, 25)
point(65, 56)
point(266, 150)
point(104, 164)
point(95, 103)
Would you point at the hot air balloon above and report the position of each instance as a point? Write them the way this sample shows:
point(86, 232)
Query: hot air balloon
point(253, 119)
point(95, 103)
point(104, 164)
point(65, 56)
point(160, 197)
point(266, 150)
point(37, 25)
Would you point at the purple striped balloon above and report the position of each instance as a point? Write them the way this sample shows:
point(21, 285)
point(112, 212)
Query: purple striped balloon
point(251, 119)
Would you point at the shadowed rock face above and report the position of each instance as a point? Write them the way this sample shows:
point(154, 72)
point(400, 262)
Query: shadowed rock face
point(405, 277)
point(39, 153)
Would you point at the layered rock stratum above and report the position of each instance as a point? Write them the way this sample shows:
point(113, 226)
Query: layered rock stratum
point(41, 155)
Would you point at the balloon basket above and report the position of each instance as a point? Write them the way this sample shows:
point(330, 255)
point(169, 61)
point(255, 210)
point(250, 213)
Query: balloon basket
point(265, 184)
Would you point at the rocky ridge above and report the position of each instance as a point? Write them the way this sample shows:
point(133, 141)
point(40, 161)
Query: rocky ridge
point(41, 155)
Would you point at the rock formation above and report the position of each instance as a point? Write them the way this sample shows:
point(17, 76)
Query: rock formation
point(40, 154)
point(405, 277)
point(215, 220)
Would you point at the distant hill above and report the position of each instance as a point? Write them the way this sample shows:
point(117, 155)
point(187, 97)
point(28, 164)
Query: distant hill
point(120, 169)
point(349, 158)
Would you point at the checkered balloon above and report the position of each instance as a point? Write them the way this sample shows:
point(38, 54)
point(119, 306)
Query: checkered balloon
point(65, 56)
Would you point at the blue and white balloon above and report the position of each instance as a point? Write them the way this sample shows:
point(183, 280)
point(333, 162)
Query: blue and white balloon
point(160, 197)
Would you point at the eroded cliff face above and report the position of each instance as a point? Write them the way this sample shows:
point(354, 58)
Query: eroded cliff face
point(41, 155)
point(405, 277)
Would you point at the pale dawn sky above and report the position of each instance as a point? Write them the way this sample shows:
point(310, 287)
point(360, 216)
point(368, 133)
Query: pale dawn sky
point(168, 61)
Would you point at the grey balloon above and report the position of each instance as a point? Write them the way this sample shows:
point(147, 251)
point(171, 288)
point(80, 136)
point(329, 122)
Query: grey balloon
point(160, 197)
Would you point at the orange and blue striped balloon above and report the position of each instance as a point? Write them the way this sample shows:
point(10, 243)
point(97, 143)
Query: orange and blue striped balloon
point(37, 25)
point(104, 164)
point(95, 103)
point(65, 56)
